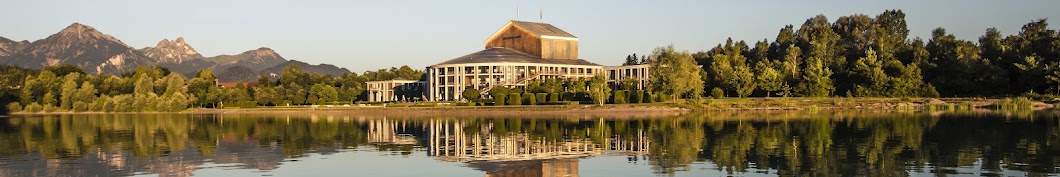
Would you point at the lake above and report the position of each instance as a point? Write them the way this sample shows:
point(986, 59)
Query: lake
point(775, 143)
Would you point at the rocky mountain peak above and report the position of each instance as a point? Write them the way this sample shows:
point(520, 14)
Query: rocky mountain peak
point(172, 51)
point(81, 32)
point(264, 51)
point(81, 45)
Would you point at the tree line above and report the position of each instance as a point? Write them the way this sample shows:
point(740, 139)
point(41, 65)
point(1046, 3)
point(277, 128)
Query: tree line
point(865, 56)
point(66, 88)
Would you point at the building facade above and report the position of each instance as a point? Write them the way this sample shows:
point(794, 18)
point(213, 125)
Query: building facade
point(516, 54)
point(638, 74)
point(394, 90)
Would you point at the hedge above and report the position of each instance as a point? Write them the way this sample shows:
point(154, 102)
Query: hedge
point(498, 99)
point(515, 99)
point(553, 97)
point(619, 97)
point(529, 99)
point(541, 97)
point(243, 104)
point(567, 96)
point(636, 96)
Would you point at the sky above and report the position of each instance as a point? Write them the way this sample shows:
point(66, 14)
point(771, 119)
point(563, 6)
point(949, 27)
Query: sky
point(369, 35)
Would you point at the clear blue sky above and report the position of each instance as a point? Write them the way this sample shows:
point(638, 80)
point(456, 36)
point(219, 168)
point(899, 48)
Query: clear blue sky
point(367, 35)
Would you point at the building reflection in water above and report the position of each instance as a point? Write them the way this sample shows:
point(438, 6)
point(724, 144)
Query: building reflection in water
point(510, 154)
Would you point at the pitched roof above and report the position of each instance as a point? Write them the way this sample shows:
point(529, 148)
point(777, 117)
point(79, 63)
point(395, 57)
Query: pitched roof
point(542, 29)
point(506, 55)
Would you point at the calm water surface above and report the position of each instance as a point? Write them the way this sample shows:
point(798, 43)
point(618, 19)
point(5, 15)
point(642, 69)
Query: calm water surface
point(712, 144)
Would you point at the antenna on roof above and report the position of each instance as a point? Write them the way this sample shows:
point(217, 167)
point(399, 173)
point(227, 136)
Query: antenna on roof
point(541, 14)
point(516, 9)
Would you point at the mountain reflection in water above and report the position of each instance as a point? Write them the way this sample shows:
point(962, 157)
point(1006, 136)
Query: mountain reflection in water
point(730, 143)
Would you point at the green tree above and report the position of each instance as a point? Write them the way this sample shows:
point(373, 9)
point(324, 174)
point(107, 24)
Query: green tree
point(768, 78)
point(296, 94)
point(631, 60)
point(472, 94)
point(87, 93)
point(873, 79)
point(266, 95)
point(320, 94)
point(675, 73)
point(69, 88)
point(599, 90)
point(815, 81)
point(744, 81)
point(629, 84)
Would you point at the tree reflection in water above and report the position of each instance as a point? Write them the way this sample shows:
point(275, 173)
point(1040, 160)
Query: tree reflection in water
point(781, 143)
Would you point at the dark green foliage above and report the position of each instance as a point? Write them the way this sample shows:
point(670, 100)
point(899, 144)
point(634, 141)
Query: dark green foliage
point(515, 99)
point(32, 108)
point(636, 96)
point(64, 69)
point(471, 94)
point(13, 107)
point(872, 56)
point(717, 93)
point(553, 97)
point(242, 104)
point(499, 99)
point(529, 99)
point(541, 97)
point(619, 97)
point(568, 96)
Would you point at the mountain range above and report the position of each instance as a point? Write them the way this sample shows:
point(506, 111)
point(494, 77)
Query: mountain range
point(99, 53)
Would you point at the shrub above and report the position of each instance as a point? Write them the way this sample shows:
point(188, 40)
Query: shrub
point(14, 107)
point(80, 106)
point(97, 104)
point(243, 104)
point(661, 97)
point(33, 107)
point(647, 98)
point(541, 97)
point(568, 96)
point(529, 99)
point(49, 108)
point(515, 99)
point(499, 98)
point(619, 97)
point(1020, 103)
point(717, 93)
point(636, 96)
point(582, 96)
point(471, 94)
point(553, 97)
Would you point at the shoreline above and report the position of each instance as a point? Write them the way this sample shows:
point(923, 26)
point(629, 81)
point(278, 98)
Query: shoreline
point(623, 110)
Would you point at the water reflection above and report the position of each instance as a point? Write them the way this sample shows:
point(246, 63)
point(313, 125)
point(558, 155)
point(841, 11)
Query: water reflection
point(775, 143)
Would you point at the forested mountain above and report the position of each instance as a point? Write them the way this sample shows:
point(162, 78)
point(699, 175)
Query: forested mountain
point(327, 69)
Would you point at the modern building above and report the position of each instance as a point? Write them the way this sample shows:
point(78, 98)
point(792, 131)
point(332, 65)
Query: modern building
point(637, 73)
point(394, 90)
point(513, 56)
